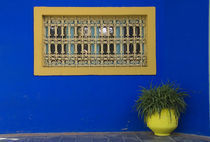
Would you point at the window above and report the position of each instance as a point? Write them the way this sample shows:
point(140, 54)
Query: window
point(98, 41)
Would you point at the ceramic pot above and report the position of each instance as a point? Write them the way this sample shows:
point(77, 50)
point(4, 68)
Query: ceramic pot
point(162, 124)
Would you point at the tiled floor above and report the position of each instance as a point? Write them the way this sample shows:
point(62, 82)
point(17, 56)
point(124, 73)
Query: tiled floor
point(102, 137)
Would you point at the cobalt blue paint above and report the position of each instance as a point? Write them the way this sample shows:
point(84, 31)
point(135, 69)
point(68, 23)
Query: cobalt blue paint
point(72, 32)
point(101, 103)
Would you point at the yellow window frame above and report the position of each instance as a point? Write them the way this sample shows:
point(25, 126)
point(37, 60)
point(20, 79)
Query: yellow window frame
point(149, 12)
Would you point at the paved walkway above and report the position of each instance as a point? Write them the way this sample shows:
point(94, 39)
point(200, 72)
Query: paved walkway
point(101, 137)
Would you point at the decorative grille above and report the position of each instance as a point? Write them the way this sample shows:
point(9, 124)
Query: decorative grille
point(94, 41)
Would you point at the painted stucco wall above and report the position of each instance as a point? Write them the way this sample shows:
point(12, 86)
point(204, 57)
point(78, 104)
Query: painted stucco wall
point(101, 103)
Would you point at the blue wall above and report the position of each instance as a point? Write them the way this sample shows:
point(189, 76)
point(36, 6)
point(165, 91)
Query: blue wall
point(101, 103)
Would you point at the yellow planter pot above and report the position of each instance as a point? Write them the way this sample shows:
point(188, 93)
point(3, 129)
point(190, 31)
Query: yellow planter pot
point(164, 124)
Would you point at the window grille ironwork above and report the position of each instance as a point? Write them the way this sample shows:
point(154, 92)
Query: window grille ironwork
point(94, 41)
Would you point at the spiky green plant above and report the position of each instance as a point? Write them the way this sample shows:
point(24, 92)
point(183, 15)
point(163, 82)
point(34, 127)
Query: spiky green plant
point(158, 97)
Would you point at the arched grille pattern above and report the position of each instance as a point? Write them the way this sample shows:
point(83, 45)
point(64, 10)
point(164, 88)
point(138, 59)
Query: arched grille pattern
point(94, 41)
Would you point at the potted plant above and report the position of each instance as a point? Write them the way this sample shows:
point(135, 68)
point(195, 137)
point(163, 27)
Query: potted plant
point(161, 106)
